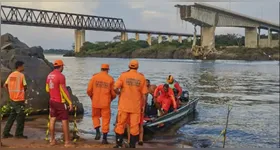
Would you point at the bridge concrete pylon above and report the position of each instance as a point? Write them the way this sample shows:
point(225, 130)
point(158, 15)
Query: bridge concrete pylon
point(159, 39)
point(210, 17)
point(79, 40)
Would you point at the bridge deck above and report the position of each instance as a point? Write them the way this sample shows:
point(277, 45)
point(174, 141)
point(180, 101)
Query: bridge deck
point(263, 23)
point(55, 19)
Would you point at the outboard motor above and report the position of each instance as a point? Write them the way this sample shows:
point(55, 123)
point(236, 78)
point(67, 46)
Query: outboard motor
point(185, 96)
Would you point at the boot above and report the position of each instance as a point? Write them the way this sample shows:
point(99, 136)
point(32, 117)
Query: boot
point(98, 134)
point(104, 141)
point(119, 141)
point(133, 141)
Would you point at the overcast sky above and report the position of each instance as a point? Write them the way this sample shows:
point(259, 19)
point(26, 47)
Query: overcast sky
point(158, 15)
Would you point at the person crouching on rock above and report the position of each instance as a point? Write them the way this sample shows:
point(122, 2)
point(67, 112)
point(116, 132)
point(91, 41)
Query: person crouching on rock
point(165, 97)
point(16, 85)
point(101, 91)
point(56, 87)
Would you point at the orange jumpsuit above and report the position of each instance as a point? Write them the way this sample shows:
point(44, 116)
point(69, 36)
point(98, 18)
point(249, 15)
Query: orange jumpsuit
point(133, 88)
point(165, 98)
point(101, 90)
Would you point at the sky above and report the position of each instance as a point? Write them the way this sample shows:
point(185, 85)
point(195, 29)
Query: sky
point(156, 15)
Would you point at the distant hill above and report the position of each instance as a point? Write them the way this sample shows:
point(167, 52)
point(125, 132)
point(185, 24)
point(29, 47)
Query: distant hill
point(56, 51)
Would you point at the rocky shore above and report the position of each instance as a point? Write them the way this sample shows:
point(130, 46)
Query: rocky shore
point(37, 67)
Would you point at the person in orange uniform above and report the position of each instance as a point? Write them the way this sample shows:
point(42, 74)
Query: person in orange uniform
point(175, 86)
point(165, 97)
point(16, 85)
point(131, 86)
point(59, 95)
point(101, 91)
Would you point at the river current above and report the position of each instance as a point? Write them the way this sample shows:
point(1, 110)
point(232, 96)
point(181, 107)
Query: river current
point(251, 87)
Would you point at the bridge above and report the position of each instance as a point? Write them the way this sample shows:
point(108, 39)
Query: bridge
point(209, 17)
point(79, 22)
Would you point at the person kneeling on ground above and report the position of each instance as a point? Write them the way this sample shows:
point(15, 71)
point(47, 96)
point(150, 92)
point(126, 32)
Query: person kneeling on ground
point(165, 98)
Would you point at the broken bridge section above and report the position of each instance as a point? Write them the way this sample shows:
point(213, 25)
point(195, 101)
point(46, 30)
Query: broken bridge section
point(209, 17)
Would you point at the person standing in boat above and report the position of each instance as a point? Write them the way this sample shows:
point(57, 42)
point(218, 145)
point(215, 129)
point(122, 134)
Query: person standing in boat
point(165, 97)
point(131, 86)
point(101, 91)
point(175, 86)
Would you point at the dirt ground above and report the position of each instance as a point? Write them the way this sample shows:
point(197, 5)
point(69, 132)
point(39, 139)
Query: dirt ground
point(35, 129)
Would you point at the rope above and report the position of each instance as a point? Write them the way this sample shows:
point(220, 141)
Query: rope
point(6, 108)
point(48, 129)
point(75, 132)
point(223, 132)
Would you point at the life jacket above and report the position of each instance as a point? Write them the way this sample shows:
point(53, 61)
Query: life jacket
point(15, 85)
point(172, 86)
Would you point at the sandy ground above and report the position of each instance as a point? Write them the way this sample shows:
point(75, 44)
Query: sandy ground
point(35, 129)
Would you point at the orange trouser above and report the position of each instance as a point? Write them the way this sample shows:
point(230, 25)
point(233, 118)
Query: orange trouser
point(134, 120)
point(105, 114)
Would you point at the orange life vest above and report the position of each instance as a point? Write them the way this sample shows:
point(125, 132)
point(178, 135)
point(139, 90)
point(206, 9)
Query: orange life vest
point(16, 82)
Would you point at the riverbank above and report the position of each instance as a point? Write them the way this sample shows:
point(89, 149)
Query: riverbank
point(35, 129)
point(166, 50)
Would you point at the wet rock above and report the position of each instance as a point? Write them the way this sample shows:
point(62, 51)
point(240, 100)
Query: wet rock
point(36, 71)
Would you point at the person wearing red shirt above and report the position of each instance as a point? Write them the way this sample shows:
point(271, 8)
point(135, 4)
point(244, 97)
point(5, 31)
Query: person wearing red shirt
point(59, 95)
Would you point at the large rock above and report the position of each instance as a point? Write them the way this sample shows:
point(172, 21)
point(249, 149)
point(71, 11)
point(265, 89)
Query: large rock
point(36, 70)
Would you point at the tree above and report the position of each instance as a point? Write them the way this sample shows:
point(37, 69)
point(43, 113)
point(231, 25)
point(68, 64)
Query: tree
point(164, 38)
point(154, 39)
point(117, 38)
point(238, 39)
point(73, 46)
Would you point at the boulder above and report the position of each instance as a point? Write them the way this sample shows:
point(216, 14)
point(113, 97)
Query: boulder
point(36, 71)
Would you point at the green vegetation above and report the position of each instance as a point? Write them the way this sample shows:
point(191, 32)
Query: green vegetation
point(175, 50)
point(56, 51)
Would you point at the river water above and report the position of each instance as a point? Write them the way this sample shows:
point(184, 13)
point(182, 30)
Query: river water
point(251, 87)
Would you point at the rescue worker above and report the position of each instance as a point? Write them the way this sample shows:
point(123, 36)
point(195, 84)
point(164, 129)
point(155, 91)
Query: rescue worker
point(101, 91)
point(59, 95)
point(175, 86)
point(151, 89)
point(16, 86)
point(165, 97)
point(131, 86)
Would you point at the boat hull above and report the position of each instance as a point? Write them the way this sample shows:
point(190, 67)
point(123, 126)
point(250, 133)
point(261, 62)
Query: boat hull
point(168, 120)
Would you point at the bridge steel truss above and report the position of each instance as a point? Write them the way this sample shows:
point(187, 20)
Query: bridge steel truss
point(44, 18)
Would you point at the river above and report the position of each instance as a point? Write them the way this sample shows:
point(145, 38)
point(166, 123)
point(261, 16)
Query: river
point(251, 87)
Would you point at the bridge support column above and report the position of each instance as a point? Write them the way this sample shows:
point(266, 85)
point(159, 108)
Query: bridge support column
point(251, 37)
point(208, 37)
point(79, 40)
point(259, 37)
point(170, 38)
point(159, 38)
point(124, 36)
point(137, 36)
point(180, 39)
point(149, 39)
point(269, 38)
